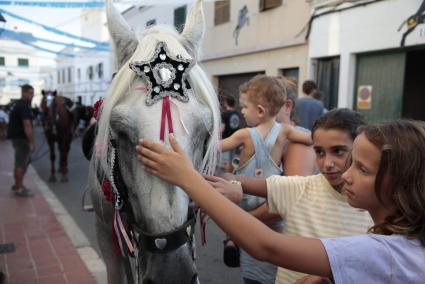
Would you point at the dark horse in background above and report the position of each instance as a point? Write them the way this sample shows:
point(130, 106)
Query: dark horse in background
point(58, 124)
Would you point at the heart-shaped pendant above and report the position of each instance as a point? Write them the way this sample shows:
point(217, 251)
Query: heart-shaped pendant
point(162, 56)
point(161, 243)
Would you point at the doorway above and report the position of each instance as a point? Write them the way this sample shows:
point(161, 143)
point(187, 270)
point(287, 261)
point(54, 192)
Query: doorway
point(414, 85)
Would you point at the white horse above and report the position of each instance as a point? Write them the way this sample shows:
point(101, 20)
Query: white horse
point(155, 215)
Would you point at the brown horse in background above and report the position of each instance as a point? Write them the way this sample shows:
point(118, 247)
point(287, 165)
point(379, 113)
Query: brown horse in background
point(58, 124)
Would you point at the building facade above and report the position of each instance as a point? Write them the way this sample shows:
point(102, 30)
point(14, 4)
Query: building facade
point(86, 76)
point(367, 55)
point(141, 17)
point(21, 64)
point(246, 37)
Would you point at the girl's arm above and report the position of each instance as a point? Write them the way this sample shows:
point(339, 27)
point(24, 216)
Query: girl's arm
point(234, 141)
point(301, 254)
point(295, 135)
point(299, 160)
point(249, 185)
point(262, 213)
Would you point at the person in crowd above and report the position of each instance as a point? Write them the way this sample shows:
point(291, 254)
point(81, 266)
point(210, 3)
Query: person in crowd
point(386, 177)
point(309, 204)
point(230, 122)
point(20, 132)
point(298, 159)
point(318, 95)
point(262, 148)
point(308, 109)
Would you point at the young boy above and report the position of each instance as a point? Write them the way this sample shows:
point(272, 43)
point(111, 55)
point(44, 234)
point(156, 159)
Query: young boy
point(262, 149)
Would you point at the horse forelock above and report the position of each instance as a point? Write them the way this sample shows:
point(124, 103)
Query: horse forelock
point(125, 77)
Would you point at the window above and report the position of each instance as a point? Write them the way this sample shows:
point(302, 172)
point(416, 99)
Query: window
point(2, 82)
point(59, 77)
point(23, 62)
point(69, 75)
point(269, 4)
point(2, 61)
point(291, 74)
point(90, 72)
point(179, 17)
point(63, 76)
point(100, 70)
point(221, 12)
point(78, 74)
point(150, 23)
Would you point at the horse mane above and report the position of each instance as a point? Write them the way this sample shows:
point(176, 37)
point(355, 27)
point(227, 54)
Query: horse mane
point(202, 89)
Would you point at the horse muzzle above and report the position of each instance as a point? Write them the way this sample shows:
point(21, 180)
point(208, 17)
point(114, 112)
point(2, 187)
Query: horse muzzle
point(175, 267)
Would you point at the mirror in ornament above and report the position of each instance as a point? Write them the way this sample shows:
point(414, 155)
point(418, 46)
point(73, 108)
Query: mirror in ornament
point(164, 74)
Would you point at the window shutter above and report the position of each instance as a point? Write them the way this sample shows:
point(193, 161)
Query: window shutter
point(269, 4)
point(180, 18)
point(221, 12)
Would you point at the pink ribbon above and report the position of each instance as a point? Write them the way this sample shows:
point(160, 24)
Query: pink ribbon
point(118, 230)
point(180, 118)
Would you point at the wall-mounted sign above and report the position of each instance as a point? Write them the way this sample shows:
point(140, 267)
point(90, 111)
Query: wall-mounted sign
point(364, 97)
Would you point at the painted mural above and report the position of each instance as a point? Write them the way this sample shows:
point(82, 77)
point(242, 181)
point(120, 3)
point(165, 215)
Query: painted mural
point(243, 19)
point(412, 22)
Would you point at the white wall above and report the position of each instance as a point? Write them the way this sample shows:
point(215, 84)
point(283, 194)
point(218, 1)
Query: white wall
point(163, 14)
point(34, 74)
point(363, 29)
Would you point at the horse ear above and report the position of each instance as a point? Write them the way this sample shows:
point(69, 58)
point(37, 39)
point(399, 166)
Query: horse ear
point(43, 92)
point(123, 37)
point(194, 27)
point(54, 93)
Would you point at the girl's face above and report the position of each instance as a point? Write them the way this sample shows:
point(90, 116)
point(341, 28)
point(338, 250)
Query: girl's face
point(332, 147)
point(249, 110)
point(360, 177)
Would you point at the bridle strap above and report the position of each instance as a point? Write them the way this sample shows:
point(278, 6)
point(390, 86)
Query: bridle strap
point(169, 241)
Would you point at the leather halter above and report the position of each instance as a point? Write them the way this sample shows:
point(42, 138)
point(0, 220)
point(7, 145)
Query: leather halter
point(171, 240)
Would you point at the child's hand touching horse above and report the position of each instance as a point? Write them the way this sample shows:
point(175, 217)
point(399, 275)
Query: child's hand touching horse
point(172, 165)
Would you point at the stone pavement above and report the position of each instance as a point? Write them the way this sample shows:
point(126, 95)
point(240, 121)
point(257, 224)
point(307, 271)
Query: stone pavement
point(44, 251)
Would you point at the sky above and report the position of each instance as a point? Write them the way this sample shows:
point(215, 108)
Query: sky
point(65, 19)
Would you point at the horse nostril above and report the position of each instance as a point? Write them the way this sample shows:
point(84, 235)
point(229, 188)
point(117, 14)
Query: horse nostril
point(148, 281)
point(195, 279)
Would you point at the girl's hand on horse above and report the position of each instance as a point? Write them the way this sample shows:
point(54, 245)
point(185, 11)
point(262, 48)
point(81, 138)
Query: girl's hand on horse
point(232, 191)
point(171, 165)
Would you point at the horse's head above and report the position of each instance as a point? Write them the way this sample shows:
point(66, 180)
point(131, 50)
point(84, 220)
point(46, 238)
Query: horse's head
point(159, 209)
point(48, 97)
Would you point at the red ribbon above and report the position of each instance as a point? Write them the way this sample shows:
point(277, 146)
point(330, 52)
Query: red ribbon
point(166, 114)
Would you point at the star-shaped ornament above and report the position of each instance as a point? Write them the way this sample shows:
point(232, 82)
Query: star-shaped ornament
point(165, 75)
